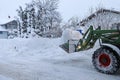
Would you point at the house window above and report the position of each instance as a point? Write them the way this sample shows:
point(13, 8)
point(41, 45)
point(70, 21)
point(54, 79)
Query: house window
point(1, 32)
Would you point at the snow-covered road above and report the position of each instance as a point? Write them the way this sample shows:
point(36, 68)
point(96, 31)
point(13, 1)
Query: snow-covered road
point(42, 59)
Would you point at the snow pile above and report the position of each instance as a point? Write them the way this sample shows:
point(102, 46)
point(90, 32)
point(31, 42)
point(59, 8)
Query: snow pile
point(28, 47)
point(71, 34)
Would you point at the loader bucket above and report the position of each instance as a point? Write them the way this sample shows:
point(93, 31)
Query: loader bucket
point(70, 46)
point(65, 47)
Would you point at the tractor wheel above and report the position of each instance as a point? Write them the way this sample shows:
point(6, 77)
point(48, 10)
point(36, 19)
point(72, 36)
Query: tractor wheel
point(105, 60)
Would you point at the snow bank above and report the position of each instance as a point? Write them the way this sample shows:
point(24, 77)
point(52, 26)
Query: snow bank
point(28, 47)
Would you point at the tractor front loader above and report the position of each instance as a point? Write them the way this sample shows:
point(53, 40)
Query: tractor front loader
point(106, 58)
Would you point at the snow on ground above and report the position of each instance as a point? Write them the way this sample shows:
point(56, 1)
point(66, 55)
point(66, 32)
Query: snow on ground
point(43, 59)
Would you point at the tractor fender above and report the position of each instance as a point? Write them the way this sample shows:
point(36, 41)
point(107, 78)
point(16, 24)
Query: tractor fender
point(113, 47)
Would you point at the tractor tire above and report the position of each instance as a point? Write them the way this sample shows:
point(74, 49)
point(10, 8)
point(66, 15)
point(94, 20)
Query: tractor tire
point(105, 60)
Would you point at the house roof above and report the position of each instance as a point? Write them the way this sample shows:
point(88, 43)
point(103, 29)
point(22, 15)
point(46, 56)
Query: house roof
point(7, 22)
point(82, 23)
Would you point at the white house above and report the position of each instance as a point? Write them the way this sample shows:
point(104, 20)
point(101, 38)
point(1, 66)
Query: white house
point(11, 26)
point(103, 17)
point(3, 33)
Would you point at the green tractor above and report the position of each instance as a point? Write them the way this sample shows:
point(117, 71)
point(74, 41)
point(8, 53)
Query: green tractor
point(106, 58)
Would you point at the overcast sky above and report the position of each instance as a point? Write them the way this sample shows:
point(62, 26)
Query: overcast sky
point(67, 8)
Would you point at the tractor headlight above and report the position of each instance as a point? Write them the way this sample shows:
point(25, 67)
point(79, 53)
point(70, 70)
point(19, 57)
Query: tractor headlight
point(79, 47)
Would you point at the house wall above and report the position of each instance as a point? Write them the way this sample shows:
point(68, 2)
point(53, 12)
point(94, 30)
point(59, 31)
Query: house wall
point(3, 34)
point(10, 26)
point(105, 20)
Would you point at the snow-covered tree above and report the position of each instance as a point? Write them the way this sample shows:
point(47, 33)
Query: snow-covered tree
point(47, 16)
point(40, 16)
point(72, 23)
point(22, 20)
point(31, 19)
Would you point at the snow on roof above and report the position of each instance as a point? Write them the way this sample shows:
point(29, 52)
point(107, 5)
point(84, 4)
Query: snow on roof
point(4, 21)
point(2, 29)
